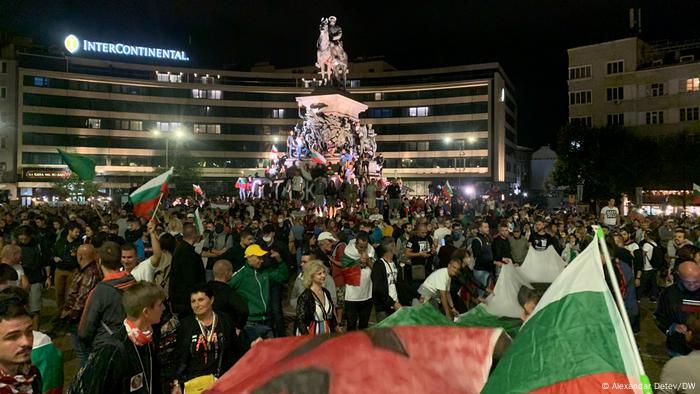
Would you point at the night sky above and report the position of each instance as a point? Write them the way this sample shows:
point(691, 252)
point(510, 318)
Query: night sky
point(529, 38)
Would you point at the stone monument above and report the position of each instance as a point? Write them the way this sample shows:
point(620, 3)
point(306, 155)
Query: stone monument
point(329, 115)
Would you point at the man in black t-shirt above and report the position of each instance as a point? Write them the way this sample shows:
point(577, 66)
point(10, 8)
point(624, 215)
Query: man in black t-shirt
point(420, 250)
point(541, 240)
point(394, 193)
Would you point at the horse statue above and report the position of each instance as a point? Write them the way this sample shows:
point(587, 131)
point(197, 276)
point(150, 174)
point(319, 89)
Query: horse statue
point(339, 65)
point(324, 57)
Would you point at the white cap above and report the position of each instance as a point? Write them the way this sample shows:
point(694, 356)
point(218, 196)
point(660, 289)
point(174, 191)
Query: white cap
point(327, 236)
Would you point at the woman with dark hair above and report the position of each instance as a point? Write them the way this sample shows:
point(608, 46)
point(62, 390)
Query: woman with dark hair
point(207, 343)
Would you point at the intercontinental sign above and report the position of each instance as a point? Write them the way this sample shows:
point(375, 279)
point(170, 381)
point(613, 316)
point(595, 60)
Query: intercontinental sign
point(73, 44)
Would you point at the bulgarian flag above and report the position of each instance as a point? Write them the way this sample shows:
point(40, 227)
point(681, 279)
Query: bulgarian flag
point(197, 189)
point(146, 198)
point(575, 341)
point(696, 194)
point(198, 222)
point(318, 158)
point(48, 359)
point(273, 153)
point(447, 190)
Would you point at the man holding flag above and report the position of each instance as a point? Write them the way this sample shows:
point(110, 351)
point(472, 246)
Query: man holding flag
point(146, 198)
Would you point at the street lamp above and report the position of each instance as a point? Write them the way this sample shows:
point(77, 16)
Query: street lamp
point(178, 133)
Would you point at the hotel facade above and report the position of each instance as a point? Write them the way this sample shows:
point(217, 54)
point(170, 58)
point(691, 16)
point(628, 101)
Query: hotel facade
point(133, 120)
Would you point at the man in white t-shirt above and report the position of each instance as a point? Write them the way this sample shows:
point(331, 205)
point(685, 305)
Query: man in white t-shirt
point(436, 288)
point(144, 270)
point(444, 228)
point(610, 215)
point(358, 299)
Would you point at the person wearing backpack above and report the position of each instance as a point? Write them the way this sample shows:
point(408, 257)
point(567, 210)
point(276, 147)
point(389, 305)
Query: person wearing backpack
point(653, 261)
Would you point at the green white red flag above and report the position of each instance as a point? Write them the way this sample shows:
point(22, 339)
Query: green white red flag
point(574, 342)
point(198, 222)
point(146, 197)
point(198, 190)
point(447, 190)
point(318, 158)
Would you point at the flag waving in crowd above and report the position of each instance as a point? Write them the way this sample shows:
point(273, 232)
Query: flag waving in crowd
point(82, 166)
point(147, 197)
point(574, 342)
point(318, 158)
point(447, 190)
point(198, 190)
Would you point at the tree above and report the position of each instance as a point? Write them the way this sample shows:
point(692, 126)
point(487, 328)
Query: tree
point(186, 171)
point(73, 187)
point(611, 160)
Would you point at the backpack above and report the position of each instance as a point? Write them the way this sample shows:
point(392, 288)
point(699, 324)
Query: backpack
point(657, 260)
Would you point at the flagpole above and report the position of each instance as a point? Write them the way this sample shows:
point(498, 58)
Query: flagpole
point(646, 384)
point(157, 206)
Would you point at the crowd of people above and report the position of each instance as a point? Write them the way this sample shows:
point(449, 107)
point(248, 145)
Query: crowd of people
point(156, 306)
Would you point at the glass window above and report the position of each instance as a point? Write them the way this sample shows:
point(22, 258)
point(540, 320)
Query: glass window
point(3, 92)
point(689, 114)
point(655, 117)
point(616, 119)
point(656, 89)
point(580, 72)
point(94, 123)
point(379, 96)
point(162, 77)
point(136, 125)
point(418, 111)
point(175, 78)
point(692, 84)
point(616, 67)
point(582, 121)
point(615, 94)
point(3, 142)
point(214, 95)
point(41, 81)
point(580, 97)
point(199, 93)
point(278, 113)
point(3, 65)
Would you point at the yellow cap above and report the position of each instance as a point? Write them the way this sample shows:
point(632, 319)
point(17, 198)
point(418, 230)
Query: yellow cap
point(254, 250)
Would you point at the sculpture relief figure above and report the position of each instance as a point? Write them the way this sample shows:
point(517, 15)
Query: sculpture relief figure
point(324, 57)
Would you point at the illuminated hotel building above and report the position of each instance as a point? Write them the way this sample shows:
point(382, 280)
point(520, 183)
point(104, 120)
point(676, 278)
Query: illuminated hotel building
point(456, 123)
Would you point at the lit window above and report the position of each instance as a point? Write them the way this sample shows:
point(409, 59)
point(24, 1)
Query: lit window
point(136, 125)
point(655, 117)
point(41, 81)
point(213, 129)
point(214, 95)
point(94, 123)
point(692, 84)
point(175, 78)
point(278, 113)
point(354, 83)
point(616, 67)
point(207, 79)
point(200, 128)
point(418, 111)
point(199, 93)
point(689, 114)
point(163, 77)
point(379, 96)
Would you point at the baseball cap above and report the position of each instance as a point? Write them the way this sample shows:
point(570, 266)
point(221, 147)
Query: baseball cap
point(254, 250)
point(327, 236)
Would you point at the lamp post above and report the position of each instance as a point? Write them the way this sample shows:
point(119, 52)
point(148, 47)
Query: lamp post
point(178, 133)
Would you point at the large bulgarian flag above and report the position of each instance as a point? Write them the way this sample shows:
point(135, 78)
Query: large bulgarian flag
point(696, 194)
point(146, 197)
point(574, 342)
point(318, 158)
